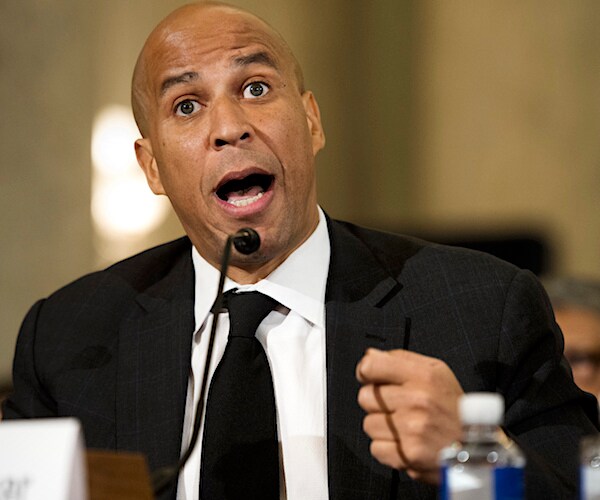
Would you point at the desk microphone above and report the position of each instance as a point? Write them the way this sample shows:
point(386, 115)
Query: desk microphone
point(245, 241)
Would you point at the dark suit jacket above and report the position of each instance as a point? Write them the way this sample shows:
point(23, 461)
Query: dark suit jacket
point(113, 349)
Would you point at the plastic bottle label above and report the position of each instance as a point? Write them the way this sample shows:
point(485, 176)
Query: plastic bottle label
point(508, 483)
point(479, 483)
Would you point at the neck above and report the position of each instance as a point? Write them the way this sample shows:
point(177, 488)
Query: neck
point(249, 269)
point(248, 273)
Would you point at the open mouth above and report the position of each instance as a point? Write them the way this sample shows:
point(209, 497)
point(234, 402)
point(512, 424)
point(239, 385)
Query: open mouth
point(242, 192)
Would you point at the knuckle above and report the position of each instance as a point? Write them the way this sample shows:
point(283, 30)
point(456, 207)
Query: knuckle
point(375, 449)
point(438, 371)
point(386, 453)
point(416, 454)
point(362, 396)
point(419, 426)
point(424, 401)
point(421, 455)
point(367, 425)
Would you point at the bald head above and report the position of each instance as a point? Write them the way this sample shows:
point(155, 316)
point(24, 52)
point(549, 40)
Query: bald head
point(206, 19)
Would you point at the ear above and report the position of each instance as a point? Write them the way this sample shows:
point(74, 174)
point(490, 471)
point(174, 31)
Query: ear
point(147, 161)
point(313, 117)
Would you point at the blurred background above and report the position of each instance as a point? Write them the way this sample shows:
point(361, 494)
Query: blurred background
point(473, 123)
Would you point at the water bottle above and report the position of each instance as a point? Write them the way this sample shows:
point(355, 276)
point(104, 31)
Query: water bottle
point(590, 468)
point(485, 464)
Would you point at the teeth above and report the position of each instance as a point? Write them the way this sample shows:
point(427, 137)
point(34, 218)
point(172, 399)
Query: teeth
point(245, 201)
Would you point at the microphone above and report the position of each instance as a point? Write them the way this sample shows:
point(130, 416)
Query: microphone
point(246, 241)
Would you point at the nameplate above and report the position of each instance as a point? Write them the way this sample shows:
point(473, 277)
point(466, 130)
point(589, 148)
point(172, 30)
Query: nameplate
point(42, 458)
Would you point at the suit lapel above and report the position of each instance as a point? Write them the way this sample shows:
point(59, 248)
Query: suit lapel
point(363, 310)
point(154, 364)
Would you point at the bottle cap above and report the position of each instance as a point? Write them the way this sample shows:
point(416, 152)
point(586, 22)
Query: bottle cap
point(481, 408)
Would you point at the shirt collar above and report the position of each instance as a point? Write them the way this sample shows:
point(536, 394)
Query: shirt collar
point(298, 283)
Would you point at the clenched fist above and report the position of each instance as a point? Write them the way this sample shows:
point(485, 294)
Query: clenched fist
point(411, 402)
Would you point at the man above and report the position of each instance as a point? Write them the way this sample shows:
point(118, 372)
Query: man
point(576, 305)
point(230, 134)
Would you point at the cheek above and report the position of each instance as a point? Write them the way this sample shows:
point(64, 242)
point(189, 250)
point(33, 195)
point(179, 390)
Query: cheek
point(181, 156)
point(295, 137)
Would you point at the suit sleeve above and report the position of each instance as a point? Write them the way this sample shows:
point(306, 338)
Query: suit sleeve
point(545, 412)
point(29, 398)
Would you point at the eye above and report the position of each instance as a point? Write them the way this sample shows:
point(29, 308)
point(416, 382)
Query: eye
point(186, 107)
point(255, 89)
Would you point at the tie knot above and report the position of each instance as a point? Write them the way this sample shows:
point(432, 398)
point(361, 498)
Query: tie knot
point(246, 311)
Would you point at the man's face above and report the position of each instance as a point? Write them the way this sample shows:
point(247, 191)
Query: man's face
point(581, 328)
point(230, 138)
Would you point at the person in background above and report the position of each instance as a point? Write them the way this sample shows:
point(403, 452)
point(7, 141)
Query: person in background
point(576, 305)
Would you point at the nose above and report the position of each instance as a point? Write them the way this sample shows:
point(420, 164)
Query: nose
point(229, 124)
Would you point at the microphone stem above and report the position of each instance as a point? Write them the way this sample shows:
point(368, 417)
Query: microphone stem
point(164, 477)
point(216, 309)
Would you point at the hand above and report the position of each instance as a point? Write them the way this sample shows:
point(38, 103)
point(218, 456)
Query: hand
point(411, 402)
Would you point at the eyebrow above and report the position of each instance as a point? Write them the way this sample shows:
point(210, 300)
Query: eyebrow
point(174, 80)
point(256, 58)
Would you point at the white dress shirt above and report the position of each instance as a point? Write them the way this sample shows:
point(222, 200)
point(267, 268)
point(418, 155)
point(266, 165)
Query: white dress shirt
point(293, 336)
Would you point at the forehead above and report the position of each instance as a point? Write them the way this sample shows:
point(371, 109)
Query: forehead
point(579, 321)
point(208, 37)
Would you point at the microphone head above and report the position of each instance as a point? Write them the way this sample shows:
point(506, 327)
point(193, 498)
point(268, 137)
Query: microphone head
point(246, 241)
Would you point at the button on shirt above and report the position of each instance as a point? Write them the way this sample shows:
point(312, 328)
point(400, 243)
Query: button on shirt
point(293, 336)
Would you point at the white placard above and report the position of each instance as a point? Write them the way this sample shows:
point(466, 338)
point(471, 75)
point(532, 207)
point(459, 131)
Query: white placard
point(42, 459)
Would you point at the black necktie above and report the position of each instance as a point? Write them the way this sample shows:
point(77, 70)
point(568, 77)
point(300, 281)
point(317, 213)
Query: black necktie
point(240, 452)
